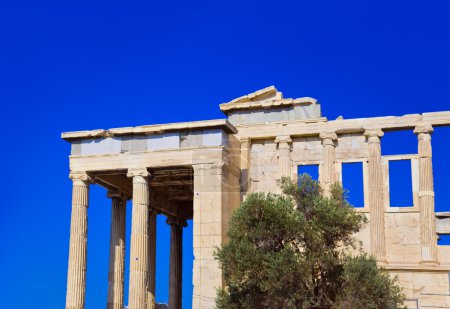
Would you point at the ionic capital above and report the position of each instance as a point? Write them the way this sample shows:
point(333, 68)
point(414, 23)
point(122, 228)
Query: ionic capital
point(373, 135)
point(283, 139)
point(113, 193)
point(176, 221)
point(328, 138)
point(328, 135)
point(423, 128)
point(80, 176)
point(132, 172)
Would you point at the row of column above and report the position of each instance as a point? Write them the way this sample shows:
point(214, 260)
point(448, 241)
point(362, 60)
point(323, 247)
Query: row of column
point(376, 186)
point(142, 249)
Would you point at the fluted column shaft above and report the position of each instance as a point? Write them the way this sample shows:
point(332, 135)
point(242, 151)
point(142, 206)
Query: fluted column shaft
point(116, 251)
point(284, 155)
point(428, 237)
point(76, 277)
point(376, 196)
point(139, 249)
point(175, 279)
point(329, 161)
point(152, 260)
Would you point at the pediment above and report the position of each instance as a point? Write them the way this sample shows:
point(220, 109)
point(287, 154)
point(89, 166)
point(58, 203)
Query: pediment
point(264, 98)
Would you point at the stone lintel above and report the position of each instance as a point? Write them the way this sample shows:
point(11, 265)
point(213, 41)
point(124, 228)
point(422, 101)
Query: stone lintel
point(443, 214)
point(443, 224)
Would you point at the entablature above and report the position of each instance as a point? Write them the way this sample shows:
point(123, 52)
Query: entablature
point(301, 128)
point(150, 138)
point(144, 159)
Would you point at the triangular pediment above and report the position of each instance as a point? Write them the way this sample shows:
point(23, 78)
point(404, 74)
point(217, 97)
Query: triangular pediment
point(260, 95)
point(263, 98)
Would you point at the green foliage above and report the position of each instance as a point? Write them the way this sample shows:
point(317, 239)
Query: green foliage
point(294, 251)
point(368, 287)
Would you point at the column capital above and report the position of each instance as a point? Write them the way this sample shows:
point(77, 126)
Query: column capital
point(423, 128)
point(283, 139)
point(143, 172)
point(328, 135)
point(245, 141)
point(114, 193)
point(328, 138)
point(373, 135)
point(80, 176)
point(373, 132)
point(176, 221)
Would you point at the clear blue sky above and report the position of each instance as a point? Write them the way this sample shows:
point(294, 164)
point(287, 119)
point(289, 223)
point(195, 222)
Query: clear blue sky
point(84, 65)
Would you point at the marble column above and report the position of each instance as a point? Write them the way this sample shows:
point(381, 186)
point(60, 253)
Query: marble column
point(329, 175)
point(428, 238)
point(152, 260)
point(376, 196)
point(76, 277)
point(139, 249)
point(284, 155)
point(176, 249)
point(116, 251)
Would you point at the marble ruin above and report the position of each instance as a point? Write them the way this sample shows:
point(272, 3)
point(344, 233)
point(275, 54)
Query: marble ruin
point(202, 170)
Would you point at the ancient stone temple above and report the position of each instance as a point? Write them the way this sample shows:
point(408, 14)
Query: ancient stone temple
point(202, 170)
